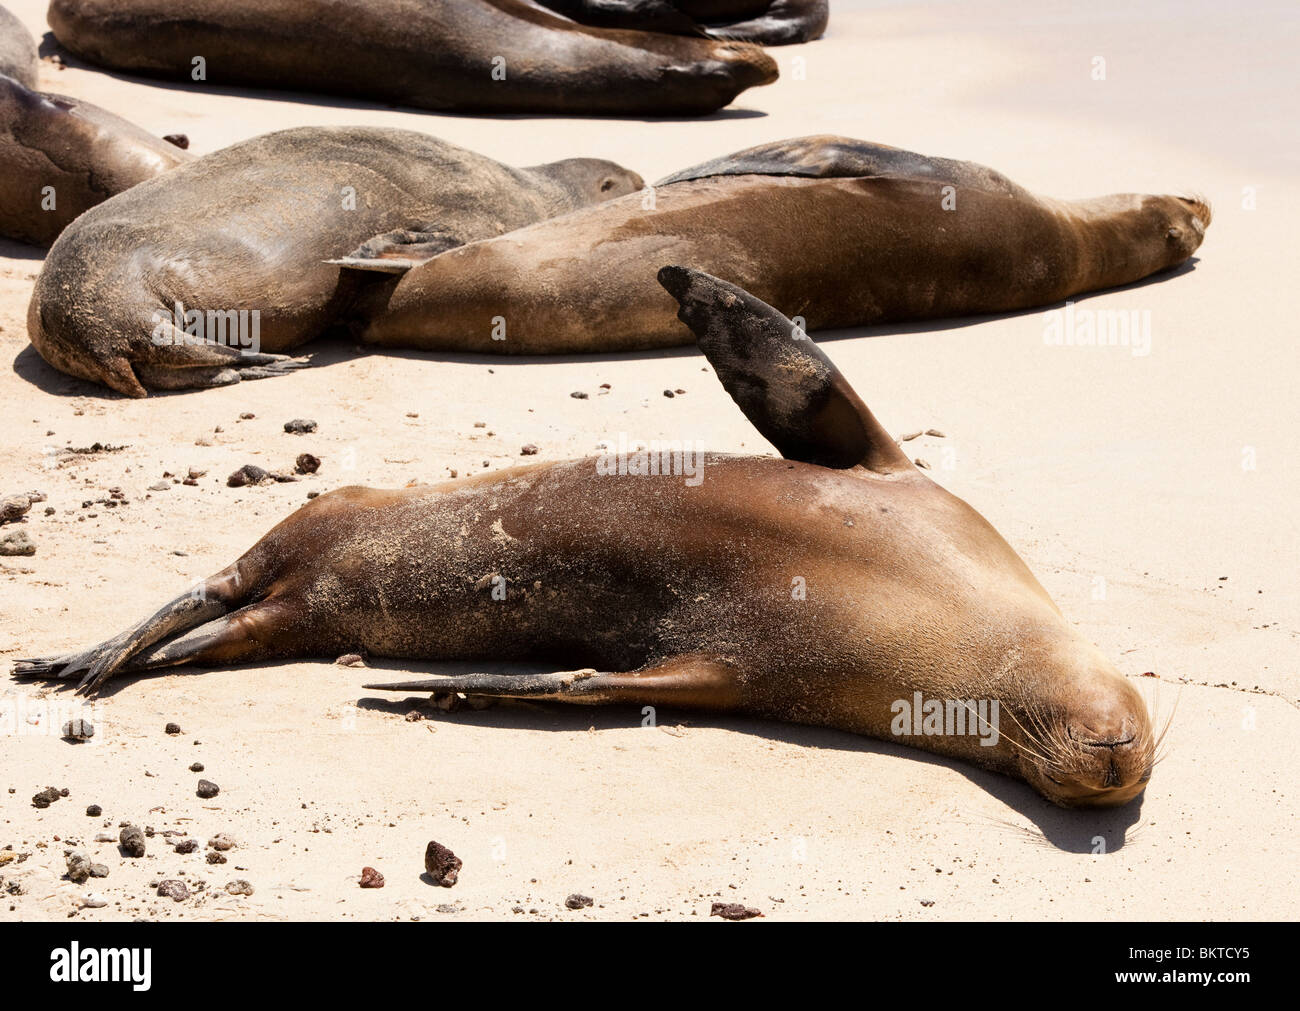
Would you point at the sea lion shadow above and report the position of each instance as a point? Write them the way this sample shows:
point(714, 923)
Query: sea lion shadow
point(14, 250)
point(1091, 831)
point(32, 368)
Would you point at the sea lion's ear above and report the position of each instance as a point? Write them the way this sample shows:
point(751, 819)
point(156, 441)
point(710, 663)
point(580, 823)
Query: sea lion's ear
point(399, 251)
point(786, 386)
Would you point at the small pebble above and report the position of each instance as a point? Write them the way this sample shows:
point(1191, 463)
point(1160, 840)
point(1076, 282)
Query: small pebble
point(16, 542)
point(371, 878)
point(93, 900)
point(94, 811)
point(307, 464)
point(196, 767)
point(172, 728)
point(174, 890)
point(131, 840)
point(78, 730)
point(46, 797)
point(78, 866)
point(528, 450)
point(442, 864)
point(207, 789)
point(300, 426)
point(734, 911)
point(221, 841)
point(187, 846)
point(239, 887)
point(248, 474)
point(214, 857)
point(576, 901)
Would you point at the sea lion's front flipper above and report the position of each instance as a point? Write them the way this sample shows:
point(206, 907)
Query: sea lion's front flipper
point(791, 392)
point(398, 251)
point(690, 681)
point(638, 15)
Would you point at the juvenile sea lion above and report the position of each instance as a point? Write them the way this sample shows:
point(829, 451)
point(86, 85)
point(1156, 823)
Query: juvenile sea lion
point(61, 156)
point(767, 22)
point(837, 231)
point(831, 587)
point(18, 57)
point(248, 230)
point(470, 55)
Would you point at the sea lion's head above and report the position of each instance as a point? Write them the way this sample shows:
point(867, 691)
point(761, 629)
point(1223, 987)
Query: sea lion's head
point(592, 180)
point(972, 622)
point(1081, 733)
point(1181, 222)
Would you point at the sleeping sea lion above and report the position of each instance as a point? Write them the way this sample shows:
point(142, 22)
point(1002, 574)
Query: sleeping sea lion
point(146, 289)
point(834, 587)
point(467, 55)
point(838, 232)
point(61, 156)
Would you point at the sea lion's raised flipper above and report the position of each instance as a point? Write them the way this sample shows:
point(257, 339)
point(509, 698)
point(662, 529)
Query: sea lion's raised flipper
point(828, 156)
point(787, 387)
point(691, 681)
point(398, 251)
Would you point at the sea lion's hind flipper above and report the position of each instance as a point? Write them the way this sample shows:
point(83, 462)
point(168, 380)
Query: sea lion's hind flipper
point(101, 662)
point(174, 360)
point(208, 623)
point(690, 681)
point(398, 251)
point(787, 387)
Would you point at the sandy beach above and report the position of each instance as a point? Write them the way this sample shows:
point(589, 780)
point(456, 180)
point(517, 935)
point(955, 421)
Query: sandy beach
point(1152, 490)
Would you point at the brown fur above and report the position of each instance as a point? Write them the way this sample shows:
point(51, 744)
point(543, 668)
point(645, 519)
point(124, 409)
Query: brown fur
point(839, 232)
point(433, 54)
point(669, 593)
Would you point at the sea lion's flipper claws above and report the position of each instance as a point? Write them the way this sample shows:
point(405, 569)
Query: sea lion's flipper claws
point(397, 252)
point(787, 387)
point(692, 681)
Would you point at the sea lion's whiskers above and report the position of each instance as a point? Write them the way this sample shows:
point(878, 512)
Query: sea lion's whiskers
point(1029, 736)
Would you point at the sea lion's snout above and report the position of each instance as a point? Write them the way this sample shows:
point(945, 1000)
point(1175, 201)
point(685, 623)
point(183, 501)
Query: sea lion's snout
point(748, 65)
point(1097, 754)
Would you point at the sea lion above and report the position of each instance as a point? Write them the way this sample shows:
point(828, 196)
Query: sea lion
point(248, 228)
point(61, 156)
point(839, 232)
point(18, 57)
point(831, 587)
point(766, 22)
point(467, 55)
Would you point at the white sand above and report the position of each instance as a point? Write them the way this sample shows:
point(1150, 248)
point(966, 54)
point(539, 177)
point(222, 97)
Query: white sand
point(1098, 466)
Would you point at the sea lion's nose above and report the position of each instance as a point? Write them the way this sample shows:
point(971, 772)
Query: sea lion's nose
point(1104, 733)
